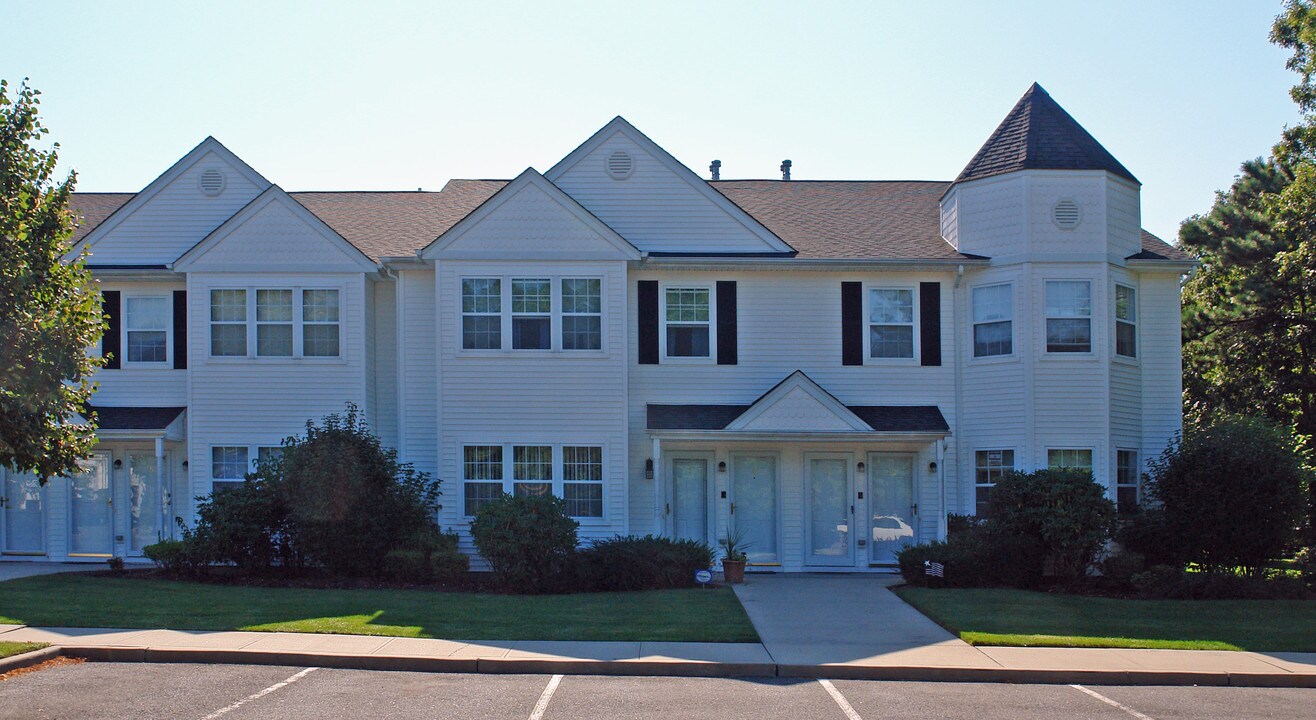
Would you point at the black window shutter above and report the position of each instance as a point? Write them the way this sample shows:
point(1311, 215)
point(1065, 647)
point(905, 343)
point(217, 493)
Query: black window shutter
point(180, 329)
point(110, 340)
point(726, 322)
point(647, 305)
point(852, 323)
point(929, 325)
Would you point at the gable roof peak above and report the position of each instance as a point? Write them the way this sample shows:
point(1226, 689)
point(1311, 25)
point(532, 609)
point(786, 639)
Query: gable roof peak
point(1038, 134)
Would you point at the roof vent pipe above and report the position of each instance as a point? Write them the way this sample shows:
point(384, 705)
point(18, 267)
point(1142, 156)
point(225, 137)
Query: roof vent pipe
point(785, 169)
point(716, 169)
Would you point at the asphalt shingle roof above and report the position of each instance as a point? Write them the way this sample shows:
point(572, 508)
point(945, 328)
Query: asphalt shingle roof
point(134, 418)
point(1038, 134)
point(882, 418)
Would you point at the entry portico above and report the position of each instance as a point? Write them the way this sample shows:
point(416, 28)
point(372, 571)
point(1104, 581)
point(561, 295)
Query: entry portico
point(809, 482)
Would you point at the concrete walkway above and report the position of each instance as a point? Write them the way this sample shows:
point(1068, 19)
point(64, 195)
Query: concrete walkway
point(814, 626)
point(12, 570)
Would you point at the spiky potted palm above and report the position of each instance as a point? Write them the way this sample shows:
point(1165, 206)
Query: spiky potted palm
point(733, 555)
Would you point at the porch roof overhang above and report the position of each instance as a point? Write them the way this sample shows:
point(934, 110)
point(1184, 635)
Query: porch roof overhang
point(169, 423)
point(880, 422)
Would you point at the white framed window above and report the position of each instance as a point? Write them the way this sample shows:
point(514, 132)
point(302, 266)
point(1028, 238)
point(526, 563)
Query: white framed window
point(988, 467)
point(288, 323)
point(532, 314)
point(482, 313)
point(582, 314)
point(146, 323)
point(1126, 321)
point(228, 323)
point(687, 322)
point(993, 320)
point(1068, 316)
point(891, 326)
point(1128, 480)
point(573, 472)
point(582, 480)
point(274, 323)
point(1071, 458)
point(229, 465)
point(482, 474)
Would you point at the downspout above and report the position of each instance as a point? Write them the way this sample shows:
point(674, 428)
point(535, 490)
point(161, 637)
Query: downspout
point(959, 400)
point(941, 479)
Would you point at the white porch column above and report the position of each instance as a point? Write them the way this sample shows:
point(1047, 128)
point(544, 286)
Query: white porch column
point(659, 507)
point(166, 497)
point(941, 490)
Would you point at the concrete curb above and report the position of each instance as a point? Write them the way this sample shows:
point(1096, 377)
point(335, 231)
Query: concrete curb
point(676, 668)
point(28, 659)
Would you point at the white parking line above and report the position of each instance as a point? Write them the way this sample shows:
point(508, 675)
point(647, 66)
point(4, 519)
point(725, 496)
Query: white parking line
point(261, 694)
point(846, 707)
point(1112, 703)
point(542, 706)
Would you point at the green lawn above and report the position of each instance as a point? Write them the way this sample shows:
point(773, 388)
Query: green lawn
point(1022, 618)
point(77, 600)
point(17, 648)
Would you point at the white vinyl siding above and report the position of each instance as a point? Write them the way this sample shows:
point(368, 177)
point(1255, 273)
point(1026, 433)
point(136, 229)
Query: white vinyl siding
point(993, 320)
point(1126, 321)
point(891, 330)
point(988, 467)
point(147, 323)
point(687, 322)
point(1068, 316)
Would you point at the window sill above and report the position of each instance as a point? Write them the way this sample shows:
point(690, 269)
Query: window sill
point(571, 354)
point(139, 366)
point(682, 360)
point(276, 360)
point(994, 359)
point(891, 362)
point(1125, 360)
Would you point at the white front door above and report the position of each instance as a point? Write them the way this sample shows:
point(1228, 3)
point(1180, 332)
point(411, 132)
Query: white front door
point(892, 509)
point(23, 519)
point(829, 509)
point(754, 506)
point(689, 502)
point(91, 511)
point(145, 502)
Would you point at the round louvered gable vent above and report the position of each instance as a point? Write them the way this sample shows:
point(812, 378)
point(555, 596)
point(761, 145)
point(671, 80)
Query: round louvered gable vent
point(1066, 214)
point(620, 165)
point(211, 182)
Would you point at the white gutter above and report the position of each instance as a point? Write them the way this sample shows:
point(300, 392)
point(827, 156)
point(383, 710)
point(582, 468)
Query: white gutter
point(792, 263)
point(734, 435)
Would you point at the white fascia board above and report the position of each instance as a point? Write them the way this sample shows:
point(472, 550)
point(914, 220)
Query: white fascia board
point(798, 380)
point(619, 124)
point(732, 436)
point(128, 274)
point(209, 145)
point(842, 264)
point(1174, 266)
point(529, 176)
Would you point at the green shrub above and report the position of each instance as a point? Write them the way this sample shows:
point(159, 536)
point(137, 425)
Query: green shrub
point(1120, 567)
point(529, 542)
point(1231, 495)
point(449, 565)
point(430, 557)
point(1060, 516)
point(642, 563)
point(173, 556)
point(244, 525)
point(1172, 583)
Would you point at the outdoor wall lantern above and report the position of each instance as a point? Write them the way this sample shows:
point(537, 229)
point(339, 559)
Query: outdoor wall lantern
point(118, 464)
point(861, 466)
point(932, 466)
point(722, 467)
point(648, 468)
point(184, 464)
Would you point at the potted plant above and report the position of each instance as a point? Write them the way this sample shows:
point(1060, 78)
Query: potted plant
point(733, 555)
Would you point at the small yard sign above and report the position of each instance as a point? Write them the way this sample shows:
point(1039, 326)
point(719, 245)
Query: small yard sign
point(703, 577)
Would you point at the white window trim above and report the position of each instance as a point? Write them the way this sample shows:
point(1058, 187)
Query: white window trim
point(915, 357)
point(1091, 352)
point(1114, 334)
point(253, 454)
point(1014, 327)
point(974, 469)
point(509, 482)
point(555, 322)
point(1046, 457)
point(297, 322)
point(711, 358)
point(168, 362)
point(1137, 474)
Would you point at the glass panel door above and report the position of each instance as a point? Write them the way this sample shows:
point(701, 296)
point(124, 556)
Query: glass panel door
point(829, 510)
point(690, 498)
point(891, 505)
point(23, 517)
point(92, 513)
point(754, 506)
point(145, 501)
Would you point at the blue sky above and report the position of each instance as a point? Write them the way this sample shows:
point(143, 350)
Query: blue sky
point(400, 95)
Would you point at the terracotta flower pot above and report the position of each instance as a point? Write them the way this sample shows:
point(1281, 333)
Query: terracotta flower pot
point(734, 571)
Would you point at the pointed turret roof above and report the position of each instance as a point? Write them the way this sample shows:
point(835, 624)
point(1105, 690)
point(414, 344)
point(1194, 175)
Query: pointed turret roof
point(1039, 135)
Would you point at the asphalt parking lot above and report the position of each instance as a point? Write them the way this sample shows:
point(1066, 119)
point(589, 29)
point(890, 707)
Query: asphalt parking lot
point(238, 692)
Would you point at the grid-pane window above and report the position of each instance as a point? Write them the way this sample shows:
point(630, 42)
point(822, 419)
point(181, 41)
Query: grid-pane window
point(989, 466)
point(482, 319)
point(1068, 316)
point(891, 323)
point(228, 323)
point(320, 323)
point(688, 322)
point(1126, 321)
point(228, 466)
point(1075, 459)
point(582, 314)
point(268, 455)
point(582, 480)
point(274, 323)
point(532, 314)
point(146, 322)
point(532, 470)
point(1127, 480)
point(482, 472)
point(993, 320)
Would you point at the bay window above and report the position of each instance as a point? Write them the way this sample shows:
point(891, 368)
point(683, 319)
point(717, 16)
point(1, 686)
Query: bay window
point(1126, 321)
point(1069, 458)
point(1068, 316)
point(993, 320)
point(1128, 481)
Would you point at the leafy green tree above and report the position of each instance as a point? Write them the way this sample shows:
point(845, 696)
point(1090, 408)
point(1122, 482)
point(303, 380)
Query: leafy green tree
point(49, 310)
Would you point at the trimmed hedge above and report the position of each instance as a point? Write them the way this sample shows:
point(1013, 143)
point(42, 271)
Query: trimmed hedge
point(642, 563)
point(529, 542)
